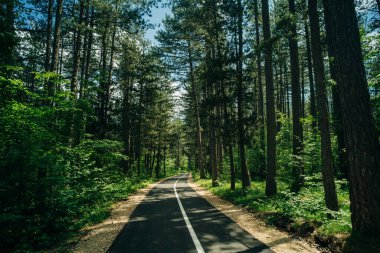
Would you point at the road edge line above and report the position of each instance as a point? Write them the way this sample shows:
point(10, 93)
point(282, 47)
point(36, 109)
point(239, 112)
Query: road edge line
point(193, 235)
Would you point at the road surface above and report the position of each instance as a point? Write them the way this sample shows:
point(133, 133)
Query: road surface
point(174, 218)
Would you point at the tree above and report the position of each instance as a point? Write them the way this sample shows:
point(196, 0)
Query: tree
point(56, 43)
point(363, 147)
point(261, 119)
point(246, 179)
point(323, 114)
point(271, 186)
point(296, 103)
point(7, 34)
point(313, 111)
point(48, 35)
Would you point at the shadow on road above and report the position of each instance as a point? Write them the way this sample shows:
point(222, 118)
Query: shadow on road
point(157, 225)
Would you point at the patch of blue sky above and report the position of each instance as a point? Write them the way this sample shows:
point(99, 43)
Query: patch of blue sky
point(157, 16)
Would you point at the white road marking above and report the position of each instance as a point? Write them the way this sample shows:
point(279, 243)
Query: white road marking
point(196, 241)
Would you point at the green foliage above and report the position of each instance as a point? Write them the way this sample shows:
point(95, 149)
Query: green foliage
point(49, 189)
point(293, 209)
point(311, 156)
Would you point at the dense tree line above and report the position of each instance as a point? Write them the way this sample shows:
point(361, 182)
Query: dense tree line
point(281, 90)
point(273, 91)
point(86, 113)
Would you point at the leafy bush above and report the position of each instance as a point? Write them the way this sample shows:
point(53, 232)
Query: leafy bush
point(50, 188)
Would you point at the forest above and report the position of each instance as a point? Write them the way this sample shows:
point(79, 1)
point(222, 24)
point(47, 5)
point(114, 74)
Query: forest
point(271, 104)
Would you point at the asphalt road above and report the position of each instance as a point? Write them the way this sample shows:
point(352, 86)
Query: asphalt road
point(174, 218)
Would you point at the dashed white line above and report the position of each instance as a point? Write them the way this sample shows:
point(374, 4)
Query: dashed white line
point(194, 236)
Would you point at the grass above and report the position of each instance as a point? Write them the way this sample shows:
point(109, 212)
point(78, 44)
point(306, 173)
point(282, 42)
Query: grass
point(290, 211)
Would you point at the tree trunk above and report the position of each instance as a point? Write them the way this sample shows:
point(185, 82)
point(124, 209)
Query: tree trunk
point(8, 34)
point(296, 104)
point(246, 179)
point(138, 147)
point(302, 90)
point(165, 160)
point(48, 35)
point(227, 134)
point(151, 167)
point(56, 41)
point(77, 115)
point(177, 161)
point(313, 111)
point(261, 121)
point(83, 92)
point(322, 103)
point(109, 76)
point(342, 165)
point(78, 46)
point(227, 137)
point(102, 92)
point(199, 152)
point(361, 138)
point(212, 120)
point(57, 38)
point(287, 89)
point(271, 186)
point(158, 164)
point(126, 126)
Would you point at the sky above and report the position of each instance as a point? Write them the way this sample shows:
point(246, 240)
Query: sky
point(158, 14)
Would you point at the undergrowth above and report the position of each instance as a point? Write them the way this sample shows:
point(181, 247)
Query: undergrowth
point(289, 210)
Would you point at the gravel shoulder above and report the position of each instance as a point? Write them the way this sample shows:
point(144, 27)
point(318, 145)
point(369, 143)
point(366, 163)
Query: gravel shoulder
point(278, 241)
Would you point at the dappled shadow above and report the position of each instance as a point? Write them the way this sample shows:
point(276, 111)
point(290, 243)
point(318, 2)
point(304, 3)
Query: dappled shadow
point(216, 231)
point(157, 225)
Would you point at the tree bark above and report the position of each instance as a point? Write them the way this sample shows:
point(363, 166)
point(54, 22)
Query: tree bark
point(56, 41)
point(342, 165)
point(271, 186)
point(331, 198)
point(138, 147)
point(88, 55)
point(246, 179)
point(302, 89)
point(158, 164)
point(57, 36)
point(78, 46)
point(126, 125)
point(296, 103)
point(164, 160)
point(313, 111)
point(199, 151)
point(48, 35)
point(361, 137)
point(261, 120)
point(212, 119)
point(109, 76)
